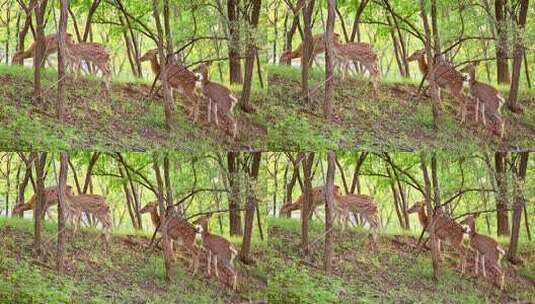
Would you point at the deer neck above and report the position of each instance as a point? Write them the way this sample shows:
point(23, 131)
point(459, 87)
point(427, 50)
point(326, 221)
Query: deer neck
point(155, 66)
point(155, 218)
point(422, 217)
point(422, 65)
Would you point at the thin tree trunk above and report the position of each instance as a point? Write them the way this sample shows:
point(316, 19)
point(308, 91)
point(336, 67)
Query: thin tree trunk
point(234, 42)
point(329, 59)
point(518, 57)
point(250, 208)
point(307, 56)
point(329, 204)
point(431, 216)
point(250, 58)
point(306, 208)
point(518, 207)
point(502, 204)
point(235, 198)
point(62, 185)
point(39, 52)
point(61, 59)
point(39, 208)
point(128, 197)
point(500, 10)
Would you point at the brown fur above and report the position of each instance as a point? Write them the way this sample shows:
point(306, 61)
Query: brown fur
point(51, 46)
point(152, 209)
point(362, 53)
point(318, 198)
point(92, 204)
point(318, 42)
point(51, 198)
point(358, 204)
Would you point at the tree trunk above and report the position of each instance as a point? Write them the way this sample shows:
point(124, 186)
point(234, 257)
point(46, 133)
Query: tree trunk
point(128, 198)
point(431, 214)
point(502, 204)
point(234, 42)
point(64, 15)
point(168, 251)
point(518, 57)
point(39, 208)
point(518, 207)
point(329, 59)
point(329, 207)
point(62, 185)
point(39, 52)
point(235, 198)
point(250, 58)
point(306, 208)
point(250, 208)
point(167, 179)
point(306, 59)
point(502, 43)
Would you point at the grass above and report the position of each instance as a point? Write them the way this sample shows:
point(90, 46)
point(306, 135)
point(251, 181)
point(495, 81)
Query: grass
point(389, 272)
point(122, 273)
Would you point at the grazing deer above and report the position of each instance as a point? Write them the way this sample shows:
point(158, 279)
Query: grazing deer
point(51, 198)
point(358, 52)
point(220, 250)
point(446, 229)
point(51, 46)
point(446, 77)
point(318, 47)
point(318, 198)
point(488, 99)
point(90, 52)
point(152, 209)
point(219, 97)
point(487, 250)
point(357, 204)
point(91, 204)
point(179, 78)
point(178, 229)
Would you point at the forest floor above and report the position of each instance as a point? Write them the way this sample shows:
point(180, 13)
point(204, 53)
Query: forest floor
point(389, 272)
point(128, 118)
point(121, 273)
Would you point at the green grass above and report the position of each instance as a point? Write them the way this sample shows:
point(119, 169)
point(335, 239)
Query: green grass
point(382, 274)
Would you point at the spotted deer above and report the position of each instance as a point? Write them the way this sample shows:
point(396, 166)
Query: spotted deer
point(318, 198)
point(446, 78)
point(488, 100)
point(152, 209)
point(90, 52)
point(219, 249)
point(220, 98)
point(318, 47)
point(180, 78)
point(362, 53)
point(488, 251)
point(446, 229)
point(51, 198)
point(362, 205)
point(51, 46)
point(95, 205)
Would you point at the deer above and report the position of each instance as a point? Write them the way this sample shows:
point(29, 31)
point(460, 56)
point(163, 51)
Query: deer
point(488, 251)
point(91, 204)
point(488, 99)
point(446, 229)
point(220, 98)
point(51, 198)
point(152, 209)
point(446, 77)
point(90, 52)
point(318, 198)
point(318, 47)
point(180, 79)
point(219, 249)
point(358, 52)
point(51, 46)
point(358, 204)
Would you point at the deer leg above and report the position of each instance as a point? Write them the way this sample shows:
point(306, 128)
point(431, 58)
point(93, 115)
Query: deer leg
point(215, 114)
point(477, 263)
point(483, 265)
point(483, 116)
point(476, 112)
point(215, 266)
point(209, 262)
point(209, 110)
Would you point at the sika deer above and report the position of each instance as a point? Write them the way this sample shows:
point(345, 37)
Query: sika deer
point(51, 198)
point(90, 204)
point(358, 204)
point(180, 79)
point(446, 77)
point(446, 229)
point(362, 53)
point(152, 209)
point(90, 52)
point(487, 250)
point(318, 198)
point(178, 229)
point(219, 249)
point(318, 43)
point(219, 97)
point(488, 99)
point(51, 46)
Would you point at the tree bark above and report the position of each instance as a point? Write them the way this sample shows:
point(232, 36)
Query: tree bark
point(39, 208)
point(306, 208)
point(64, 15)
point(39, 52)
point(502, 44)
point(235, 198)
point(250, 58)
point(502, 204)
point(518, 57)
point(329, 208)
point(431, 214)
point(306, 59)
point(250, 208)
point(234, 42)
point(329, 58)
point(518, 207)
point(62, 185)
